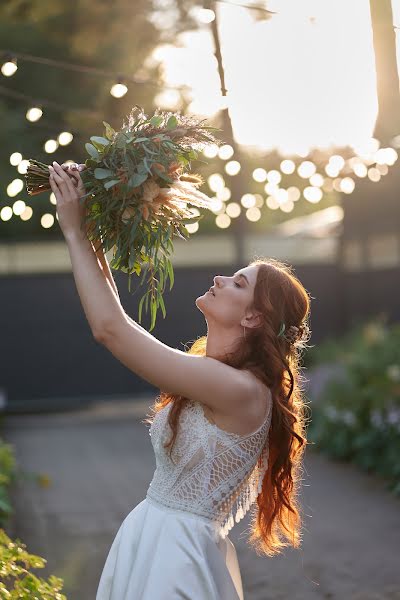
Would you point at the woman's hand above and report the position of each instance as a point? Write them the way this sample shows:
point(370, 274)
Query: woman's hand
point(68, 193)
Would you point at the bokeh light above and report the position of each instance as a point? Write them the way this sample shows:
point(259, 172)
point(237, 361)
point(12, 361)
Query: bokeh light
point(223, 221)
point(232, 167)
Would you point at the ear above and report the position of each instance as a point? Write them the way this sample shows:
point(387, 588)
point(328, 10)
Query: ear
point(253, 319)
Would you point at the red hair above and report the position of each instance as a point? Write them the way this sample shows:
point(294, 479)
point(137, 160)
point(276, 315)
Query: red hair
point(280, 297)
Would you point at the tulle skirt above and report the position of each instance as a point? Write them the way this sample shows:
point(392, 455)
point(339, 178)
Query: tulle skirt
point(161, 553)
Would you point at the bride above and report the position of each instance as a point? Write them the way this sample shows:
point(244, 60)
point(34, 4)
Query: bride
point(228, 428)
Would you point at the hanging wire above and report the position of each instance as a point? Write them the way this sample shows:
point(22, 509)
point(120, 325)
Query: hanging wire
point(53, 105)
point(50, 62)
point(249, 6)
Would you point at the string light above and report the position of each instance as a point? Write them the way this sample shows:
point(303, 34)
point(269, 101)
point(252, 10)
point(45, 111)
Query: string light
point(253, 214)
point(271, 188)
point(192, 227)
point(287, 207)
point(293, 193)
point(118, 90)
point(259, 175)
point(9, 67)
point(33, 114)
point(50, 146)
point(287, 166)
point(224, 194)
point(272, 202)
point(15, 159)
point(274, 177)
point(47, 220)
point(6, 213)
point(23, 167)
point(347, 185)
point(225, 152)
point(216, 182)
point(210, 151)
point(233, 210)
point(233, 167)
point(15, 187)
point(19, 207)
point(217, 206)
point(306, 169)
point(374, 175)
point(65, 138)
point(27, 214)
point(248, 200)
point(204, 15)
point(312, 194)
point(223, 221)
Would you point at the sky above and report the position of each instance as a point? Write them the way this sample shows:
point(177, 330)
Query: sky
point(305, 78)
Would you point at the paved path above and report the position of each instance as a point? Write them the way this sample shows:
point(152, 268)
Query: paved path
point(100, 462)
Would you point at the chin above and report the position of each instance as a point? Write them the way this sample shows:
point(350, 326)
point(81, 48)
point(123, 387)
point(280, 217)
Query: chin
point(199, 302)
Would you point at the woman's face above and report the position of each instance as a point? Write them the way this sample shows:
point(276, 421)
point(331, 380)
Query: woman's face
point(230, 297)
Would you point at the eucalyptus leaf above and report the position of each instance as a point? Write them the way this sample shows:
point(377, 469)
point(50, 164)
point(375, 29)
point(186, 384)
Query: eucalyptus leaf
point(156, 120)
point(102, 141)
point(103, 173)
point(172, 122)
point(90, 149)
point(110, 133)
point(110, 184)
point(137, 179)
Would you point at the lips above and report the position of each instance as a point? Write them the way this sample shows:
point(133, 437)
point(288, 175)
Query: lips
point(211, 290)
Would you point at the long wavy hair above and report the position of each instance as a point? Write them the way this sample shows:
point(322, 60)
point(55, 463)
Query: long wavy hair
point(276, 361)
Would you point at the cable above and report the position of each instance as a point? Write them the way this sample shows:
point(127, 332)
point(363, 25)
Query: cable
point(250, 6)
point(50, 62)
point(54, 105)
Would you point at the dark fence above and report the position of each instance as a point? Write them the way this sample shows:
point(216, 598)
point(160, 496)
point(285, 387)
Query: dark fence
point(49, 357)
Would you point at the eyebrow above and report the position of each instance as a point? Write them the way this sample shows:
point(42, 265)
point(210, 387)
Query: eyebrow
point(244, 277)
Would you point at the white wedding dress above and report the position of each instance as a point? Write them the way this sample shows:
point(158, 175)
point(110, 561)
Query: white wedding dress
point(173, 545)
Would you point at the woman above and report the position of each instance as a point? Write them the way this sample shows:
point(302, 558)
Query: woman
point(227, 430)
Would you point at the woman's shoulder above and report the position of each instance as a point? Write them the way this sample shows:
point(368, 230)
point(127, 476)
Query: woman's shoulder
point(262, 397)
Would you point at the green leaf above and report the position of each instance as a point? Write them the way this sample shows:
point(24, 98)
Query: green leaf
point(153, 311)
point(101, 141)
point(90, 149)
point(156, 120)
point(137, 179)
point(172, 122)
point(109, 131)
point(140, 308)
point(102, 173)
point(162, 305)
point(142, 139)
point(110, 184)
point(170, 271)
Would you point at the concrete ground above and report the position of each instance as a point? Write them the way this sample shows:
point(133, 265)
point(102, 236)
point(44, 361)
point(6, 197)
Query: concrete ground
point(97, 464)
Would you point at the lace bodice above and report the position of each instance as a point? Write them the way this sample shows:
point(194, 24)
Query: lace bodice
point(213, 473)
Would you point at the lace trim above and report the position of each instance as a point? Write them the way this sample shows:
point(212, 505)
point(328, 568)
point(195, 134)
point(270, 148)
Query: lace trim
point(247, 493)
point(234, 496)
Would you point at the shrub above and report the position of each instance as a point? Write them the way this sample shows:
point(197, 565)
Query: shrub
point(358, 418)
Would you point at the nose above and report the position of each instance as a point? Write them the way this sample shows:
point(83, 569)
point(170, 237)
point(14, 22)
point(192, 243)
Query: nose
point(217, 280)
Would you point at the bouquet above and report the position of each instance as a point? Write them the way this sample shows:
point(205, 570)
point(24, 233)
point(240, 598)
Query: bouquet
point(138, 188)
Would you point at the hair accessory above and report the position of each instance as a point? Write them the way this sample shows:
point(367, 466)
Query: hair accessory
point(282, 329)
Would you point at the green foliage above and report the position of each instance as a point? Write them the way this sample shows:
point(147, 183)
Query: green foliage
point(358, 418)
point(7, 476)
point(137, 194)
point(16, 579)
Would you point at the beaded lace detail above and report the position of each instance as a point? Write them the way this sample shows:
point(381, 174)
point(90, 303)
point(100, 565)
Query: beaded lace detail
point(213, 473)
